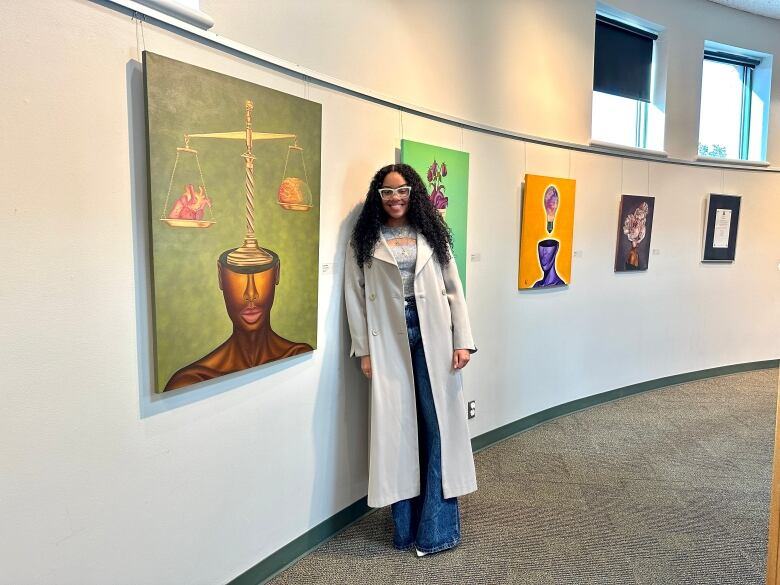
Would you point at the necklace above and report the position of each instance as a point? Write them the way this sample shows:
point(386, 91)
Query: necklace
point(396, 233)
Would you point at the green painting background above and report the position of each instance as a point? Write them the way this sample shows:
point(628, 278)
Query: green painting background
point(190, 319)
point(420, 156)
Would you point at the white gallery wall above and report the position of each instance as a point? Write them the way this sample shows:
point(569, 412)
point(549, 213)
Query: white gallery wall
point(101, 482)
point(522, 65)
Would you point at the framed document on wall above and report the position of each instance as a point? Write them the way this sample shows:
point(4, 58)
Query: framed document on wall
point(720, 231)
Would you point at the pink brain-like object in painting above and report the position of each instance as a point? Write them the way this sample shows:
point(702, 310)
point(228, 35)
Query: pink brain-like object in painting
point(551, 199)
point(634, 226)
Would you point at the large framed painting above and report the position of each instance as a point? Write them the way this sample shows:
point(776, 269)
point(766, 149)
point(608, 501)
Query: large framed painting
point(234, 199)
point(546, 232)
point(446, 173)
point(635, 226)
point(720, 230)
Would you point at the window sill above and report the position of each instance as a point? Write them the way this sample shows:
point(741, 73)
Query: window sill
point(183, 13)
point(732, 161)
point(611, 146)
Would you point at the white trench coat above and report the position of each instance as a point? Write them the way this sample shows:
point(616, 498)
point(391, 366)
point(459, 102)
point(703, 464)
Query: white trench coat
point(377, 323)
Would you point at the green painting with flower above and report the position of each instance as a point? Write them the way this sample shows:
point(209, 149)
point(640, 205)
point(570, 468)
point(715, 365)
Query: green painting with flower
point(446, 173)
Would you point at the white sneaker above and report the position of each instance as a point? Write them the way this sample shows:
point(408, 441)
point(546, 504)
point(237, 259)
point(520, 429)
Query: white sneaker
point(420, 553)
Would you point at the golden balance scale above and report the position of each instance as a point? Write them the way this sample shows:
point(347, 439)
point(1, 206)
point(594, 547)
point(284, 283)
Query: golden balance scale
point(188, 211)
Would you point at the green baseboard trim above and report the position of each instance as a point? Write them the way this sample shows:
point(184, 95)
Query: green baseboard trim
point(491, 437)
point(304, 544)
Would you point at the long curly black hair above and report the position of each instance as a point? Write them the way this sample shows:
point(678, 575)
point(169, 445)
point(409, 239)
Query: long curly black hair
point(421, 215)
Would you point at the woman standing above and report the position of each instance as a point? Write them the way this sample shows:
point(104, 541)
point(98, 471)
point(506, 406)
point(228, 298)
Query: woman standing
point(410, 329)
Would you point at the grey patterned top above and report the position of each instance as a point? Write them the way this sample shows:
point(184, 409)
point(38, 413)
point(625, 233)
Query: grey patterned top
point(403, 244)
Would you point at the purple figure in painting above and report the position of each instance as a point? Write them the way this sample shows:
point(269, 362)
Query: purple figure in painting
point(548, 252)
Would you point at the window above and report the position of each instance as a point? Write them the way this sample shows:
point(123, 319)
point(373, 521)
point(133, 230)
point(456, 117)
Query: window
point(623, 85)
point(619, 120)
point(732, 109)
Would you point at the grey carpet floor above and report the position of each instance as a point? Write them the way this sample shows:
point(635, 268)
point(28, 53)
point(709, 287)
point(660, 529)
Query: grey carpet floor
point(666, 487)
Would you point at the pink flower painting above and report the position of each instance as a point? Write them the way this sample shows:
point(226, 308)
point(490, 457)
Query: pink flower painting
point(436, 172)
point(635, 226)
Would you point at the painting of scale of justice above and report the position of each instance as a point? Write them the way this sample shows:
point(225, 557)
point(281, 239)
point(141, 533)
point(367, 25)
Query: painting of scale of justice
point(635, 225)
point(547, 232)
point(234, 183)
point(445, 173)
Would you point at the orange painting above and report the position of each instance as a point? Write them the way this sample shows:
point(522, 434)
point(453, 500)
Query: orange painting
point(547, 232)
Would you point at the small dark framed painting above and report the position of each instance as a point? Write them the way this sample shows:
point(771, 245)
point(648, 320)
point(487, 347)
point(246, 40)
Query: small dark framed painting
point(635, 225)
point(720, 232)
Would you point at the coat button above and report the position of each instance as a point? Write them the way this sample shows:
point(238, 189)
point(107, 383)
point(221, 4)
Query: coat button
point(372, 296)
point(374, 332)
point(444, 292)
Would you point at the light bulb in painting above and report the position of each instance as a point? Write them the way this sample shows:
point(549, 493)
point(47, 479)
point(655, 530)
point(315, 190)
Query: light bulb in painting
point(551, 200)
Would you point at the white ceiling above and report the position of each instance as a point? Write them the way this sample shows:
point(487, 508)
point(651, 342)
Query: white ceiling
point(770, 8)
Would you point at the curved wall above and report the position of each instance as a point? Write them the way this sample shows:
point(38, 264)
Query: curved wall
point(104, 483)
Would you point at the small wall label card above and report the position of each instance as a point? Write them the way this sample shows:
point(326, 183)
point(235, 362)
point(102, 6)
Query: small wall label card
point(720, 232)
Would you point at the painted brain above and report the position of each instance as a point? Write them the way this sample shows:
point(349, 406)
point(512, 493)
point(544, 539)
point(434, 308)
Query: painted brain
point(551, 199)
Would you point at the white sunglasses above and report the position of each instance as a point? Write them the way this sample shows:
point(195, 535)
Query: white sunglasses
point(403, 192)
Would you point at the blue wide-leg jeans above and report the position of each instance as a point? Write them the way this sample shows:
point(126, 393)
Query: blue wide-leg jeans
point(429, 522)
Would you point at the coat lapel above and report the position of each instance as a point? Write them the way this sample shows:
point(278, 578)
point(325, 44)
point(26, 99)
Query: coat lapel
point(382, 252)
point(424, 253)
